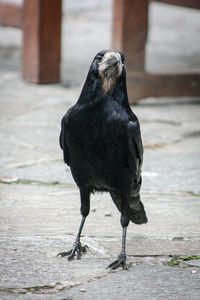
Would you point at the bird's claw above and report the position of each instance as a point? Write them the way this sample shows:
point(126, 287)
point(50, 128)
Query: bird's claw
point(77, 248)
point(121, 261)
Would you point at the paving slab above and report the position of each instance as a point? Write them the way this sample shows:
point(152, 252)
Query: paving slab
point(36, 209)
point(173, 139)
point(142, 281)
point(31, 261)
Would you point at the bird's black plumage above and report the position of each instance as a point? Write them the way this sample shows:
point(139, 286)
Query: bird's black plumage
point(101, 141)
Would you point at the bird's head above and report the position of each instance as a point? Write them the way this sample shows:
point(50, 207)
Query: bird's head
point(109, 66)
point(106, 76)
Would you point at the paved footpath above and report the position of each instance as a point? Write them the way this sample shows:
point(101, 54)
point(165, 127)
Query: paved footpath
point(39, 202)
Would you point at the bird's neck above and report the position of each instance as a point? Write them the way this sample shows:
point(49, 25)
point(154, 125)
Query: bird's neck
point(93, 92)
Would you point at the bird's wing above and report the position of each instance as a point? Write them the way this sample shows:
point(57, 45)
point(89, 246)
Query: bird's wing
point(135, 149)
point(63, 137)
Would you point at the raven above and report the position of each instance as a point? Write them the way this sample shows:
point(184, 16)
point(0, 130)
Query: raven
point(101, 142)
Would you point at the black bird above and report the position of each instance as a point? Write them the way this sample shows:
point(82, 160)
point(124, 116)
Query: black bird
point(101, 142)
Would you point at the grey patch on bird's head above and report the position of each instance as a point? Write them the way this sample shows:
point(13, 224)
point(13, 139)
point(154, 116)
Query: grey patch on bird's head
point(110, 68)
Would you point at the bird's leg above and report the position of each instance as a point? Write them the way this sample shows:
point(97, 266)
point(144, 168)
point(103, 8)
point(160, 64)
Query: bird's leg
point(77, 247)
point(123, 250)
point(121, 261)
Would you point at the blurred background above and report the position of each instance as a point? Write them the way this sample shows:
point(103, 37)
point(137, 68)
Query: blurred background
point(173, 38)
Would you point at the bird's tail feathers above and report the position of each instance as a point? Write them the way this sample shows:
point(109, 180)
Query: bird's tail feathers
point(138, 216)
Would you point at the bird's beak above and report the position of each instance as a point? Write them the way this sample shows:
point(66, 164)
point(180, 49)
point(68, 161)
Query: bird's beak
point(111, 65)
point(109, 61)
point(110, 68)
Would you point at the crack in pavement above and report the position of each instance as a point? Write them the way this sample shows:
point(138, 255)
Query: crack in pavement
point(43, 289)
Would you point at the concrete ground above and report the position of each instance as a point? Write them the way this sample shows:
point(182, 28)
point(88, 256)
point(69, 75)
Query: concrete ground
point(39, 204)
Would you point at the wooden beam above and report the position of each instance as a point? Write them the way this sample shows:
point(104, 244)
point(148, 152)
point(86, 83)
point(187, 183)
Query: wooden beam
point(130, 31)
point(186, 3)
point(42, 41)
point(11, 14)
point(143, 85)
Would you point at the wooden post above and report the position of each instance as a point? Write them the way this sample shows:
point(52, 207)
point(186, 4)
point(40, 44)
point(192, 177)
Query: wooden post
point(42, 39)
point(130, 25)
point(130, 31)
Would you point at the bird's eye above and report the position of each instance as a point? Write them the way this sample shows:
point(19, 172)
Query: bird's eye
point(99, 57)
point(122, 58)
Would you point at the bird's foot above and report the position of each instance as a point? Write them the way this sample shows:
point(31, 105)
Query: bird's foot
point(77, 248)
point(121, 261)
